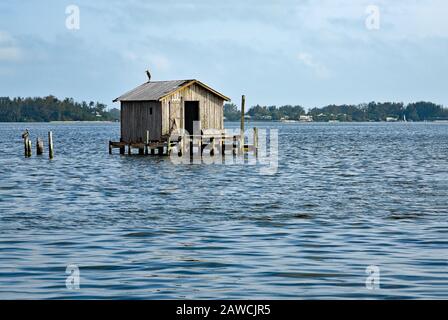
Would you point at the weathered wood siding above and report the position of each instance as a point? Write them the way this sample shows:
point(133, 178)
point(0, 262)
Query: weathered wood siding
point(136, 119)
point(210, 108)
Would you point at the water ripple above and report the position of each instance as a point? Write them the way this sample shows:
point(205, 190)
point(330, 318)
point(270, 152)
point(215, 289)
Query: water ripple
point(346, 196)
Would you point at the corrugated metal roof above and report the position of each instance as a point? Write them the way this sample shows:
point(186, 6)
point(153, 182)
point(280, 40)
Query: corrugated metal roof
point(152, 91)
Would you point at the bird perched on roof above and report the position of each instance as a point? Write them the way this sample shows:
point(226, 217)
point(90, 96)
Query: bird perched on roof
point(149, 75)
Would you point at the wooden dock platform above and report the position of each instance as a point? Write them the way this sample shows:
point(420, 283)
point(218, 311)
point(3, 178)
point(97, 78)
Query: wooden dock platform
point(188, 144)
point(210, 138)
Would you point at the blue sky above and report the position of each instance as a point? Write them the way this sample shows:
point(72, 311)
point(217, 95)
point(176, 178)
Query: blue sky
point(278, 52)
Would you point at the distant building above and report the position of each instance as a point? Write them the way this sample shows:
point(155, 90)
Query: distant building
point(306, 118)
point(391, 119)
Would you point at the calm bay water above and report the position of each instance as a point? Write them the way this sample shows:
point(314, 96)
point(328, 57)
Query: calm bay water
point(346, 196)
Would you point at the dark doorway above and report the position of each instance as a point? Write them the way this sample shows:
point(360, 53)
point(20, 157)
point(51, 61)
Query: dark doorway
point(191, 114)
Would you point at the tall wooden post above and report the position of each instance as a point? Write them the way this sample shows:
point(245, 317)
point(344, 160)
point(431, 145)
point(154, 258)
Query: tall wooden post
point(39, 147)
point(50, 145)
point(243, 105)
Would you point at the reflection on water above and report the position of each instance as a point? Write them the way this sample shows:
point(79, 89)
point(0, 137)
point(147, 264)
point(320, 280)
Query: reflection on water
point(346, 196)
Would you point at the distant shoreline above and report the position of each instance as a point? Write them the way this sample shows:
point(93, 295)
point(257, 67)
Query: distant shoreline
point(61, 122)
point(81, 121)
point(235, 121)
point(333, 122)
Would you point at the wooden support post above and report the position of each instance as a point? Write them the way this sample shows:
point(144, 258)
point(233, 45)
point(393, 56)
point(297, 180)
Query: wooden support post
point(223, 144)
point(50, 145)
point(181, 144)
point(29, 147)
point(243, 106)
point(153, 151)
point(110, 147)
point(141, 151)
point(160, 151)
point(129, 149)
point(180, 148)
point(25, 143)
point(25, 137)
point(168, 147)
point(212, 150)
point(234, 146)
point(147, 142)
point(122, 147)
point(39, 147)
point(256, 141)
point(200, 143)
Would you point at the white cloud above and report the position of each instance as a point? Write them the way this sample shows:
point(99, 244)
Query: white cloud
point(8, 49)
point(309, 61)
point(154, 61)
point(9, 54)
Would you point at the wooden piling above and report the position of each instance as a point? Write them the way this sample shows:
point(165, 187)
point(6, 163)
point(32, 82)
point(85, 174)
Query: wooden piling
point(223, 144)
point(29, 147)
point(183, 145)
point(25, 143)
point(168, 147)
point(243, 105)
point(212, 150)
point(39, 147)
point(122, 147)
point(50, 145)
point(256, 141)
point(147, 142)
point(25, 137)
point(235, 145)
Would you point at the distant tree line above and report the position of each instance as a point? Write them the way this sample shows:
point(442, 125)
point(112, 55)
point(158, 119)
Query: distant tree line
point(51, 108)
point(231, 112)
point(373, 111)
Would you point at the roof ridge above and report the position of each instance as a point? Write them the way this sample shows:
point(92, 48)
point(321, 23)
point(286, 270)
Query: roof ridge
point(156, 90)
point(170, 80)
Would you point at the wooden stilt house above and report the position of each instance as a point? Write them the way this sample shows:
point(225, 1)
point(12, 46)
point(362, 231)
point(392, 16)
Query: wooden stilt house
point(163, 106)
